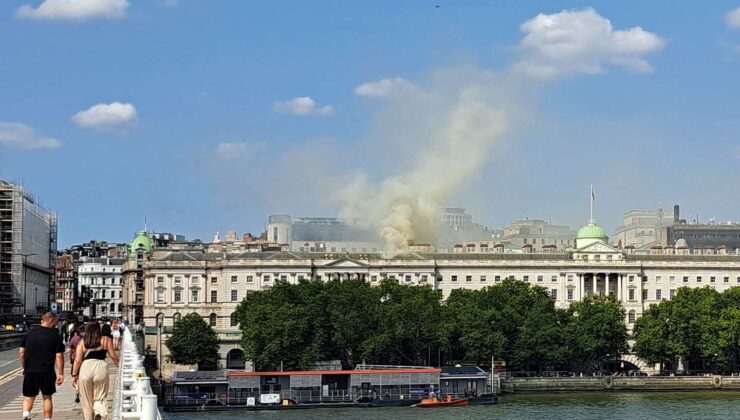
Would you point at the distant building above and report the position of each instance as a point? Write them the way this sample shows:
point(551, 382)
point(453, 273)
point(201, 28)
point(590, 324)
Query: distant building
point(102, 276)
point(66, 284)
point(642, 229)
point(538, 233)
point(28, 248)
point(703, 238)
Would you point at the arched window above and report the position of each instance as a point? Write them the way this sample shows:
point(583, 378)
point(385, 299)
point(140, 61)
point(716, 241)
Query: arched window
point(235, 359)
point(213, 319)
point(176, 317)
point(631, 317)
point(234, 320)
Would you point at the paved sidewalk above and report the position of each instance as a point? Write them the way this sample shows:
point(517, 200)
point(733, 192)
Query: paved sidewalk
point(65, 407)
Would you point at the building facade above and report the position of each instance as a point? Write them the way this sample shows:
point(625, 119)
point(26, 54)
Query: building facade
point(28, 249)
point(538, 233)
point(102, 278)
point(211, 283)
point(66, 285)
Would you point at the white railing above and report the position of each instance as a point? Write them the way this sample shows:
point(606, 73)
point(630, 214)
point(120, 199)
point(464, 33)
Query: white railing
point(133, 398)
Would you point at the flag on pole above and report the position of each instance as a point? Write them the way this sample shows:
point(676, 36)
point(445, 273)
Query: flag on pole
point(593, 196)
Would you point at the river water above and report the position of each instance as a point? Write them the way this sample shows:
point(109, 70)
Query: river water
point(571, 406)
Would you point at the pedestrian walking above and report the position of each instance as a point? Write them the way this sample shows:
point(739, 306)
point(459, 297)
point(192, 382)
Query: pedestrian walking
point(76, 339)
point(42, 349)
point(116, 333)
point(90, 372)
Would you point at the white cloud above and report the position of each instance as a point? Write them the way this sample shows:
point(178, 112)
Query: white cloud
point(733, 18)
point(22, 136)
point(302, 106)
point(74, 10)
point(582, 41)
point(238, 150)
point(106, 116)
point(383, 88)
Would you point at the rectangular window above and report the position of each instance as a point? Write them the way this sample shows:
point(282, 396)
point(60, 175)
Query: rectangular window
point(658, 279)
point(424, 278)
point(194, 296)
point(160, 280)
point(373, 278)
point(570, 294)
point(672, 279)
point(407, 278)
point(554, 293)
point(177, 297)
point(214, 280)
point(539, 279)
point(526, 279)
point(726, 279)
point(685, 279)
point(570, 278)
point(283, 278)
point(178, 280)
point(658, 294)
point(496, 279)
point(631, 279)
point(266, 278)
point(194, 279)
point(160, 296)
point(554, 279)
point(632, 294)
point(698, 279)
point(644, 279)
point(234, 320)
point(440, 279)
point(468, 278)
point(454, 278)
point(644, 295)
point(483, 279)
point(214, 296)
point(234, 279)
point(672, 293)
point(712, 279)
point(250, 279)
point(301, 277)
point(234, 295)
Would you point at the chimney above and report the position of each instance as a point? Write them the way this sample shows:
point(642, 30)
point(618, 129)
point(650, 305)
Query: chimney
point(676, 214)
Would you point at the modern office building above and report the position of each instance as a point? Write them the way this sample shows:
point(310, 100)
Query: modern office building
point(642, 229)
point(28, 250)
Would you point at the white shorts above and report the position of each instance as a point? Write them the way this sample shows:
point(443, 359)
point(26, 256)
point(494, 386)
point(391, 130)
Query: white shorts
point(116, 333)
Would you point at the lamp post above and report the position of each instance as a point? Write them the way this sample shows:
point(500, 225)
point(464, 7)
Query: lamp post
point(160, 326)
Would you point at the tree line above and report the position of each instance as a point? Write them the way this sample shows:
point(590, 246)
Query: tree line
point(295, 325)
point(699, 327)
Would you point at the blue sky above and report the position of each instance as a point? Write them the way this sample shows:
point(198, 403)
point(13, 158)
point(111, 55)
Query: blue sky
point(199, 140)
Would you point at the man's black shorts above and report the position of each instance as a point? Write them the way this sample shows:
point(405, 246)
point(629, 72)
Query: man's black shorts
point(35, 382)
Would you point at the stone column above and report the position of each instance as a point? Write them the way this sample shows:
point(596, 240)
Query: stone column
point(606, 284)
point(581, 285)
point(593, 279)
point(620, 292)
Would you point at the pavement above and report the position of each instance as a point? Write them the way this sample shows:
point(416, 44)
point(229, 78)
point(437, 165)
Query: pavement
point(65, 407)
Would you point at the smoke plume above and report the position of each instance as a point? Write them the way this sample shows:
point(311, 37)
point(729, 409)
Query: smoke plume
point(438, 135)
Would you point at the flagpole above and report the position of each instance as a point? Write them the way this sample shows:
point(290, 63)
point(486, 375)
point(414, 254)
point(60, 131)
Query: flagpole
point(591, 219)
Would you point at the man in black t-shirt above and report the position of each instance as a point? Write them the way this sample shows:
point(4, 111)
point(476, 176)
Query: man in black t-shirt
point(41, 349)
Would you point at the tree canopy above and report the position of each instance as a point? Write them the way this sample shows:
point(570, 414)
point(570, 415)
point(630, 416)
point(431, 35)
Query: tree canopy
point(192, 342)
point(295, 325)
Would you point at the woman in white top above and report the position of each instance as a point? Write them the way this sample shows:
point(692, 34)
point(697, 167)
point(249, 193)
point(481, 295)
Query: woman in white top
point(116, 332)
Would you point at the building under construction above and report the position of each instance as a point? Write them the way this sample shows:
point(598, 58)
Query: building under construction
point(28, 244)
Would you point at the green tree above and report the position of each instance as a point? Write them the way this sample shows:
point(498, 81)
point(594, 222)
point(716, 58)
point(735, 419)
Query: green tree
point(652, 334)
point(352, 307)
point(597, 331)
point(542, 341)
point(285, 325)
point(694, 325)
point(193, 342)
point(408, 324)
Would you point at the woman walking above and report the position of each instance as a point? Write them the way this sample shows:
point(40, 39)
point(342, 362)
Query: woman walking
point(116, 333)
point(90, 372)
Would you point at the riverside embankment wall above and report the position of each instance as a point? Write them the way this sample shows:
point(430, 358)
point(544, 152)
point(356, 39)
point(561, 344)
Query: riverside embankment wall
point(12, 340)
point(621, 383)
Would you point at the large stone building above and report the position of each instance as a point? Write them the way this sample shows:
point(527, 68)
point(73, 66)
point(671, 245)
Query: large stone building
point(642, 229)
point(102, 278)
point(538, 233)
point(211, 281)
point(66, 285)
point(28, 248)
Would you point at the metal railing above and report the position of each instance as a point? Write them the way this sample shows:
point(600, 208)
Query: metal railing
point(133, 398)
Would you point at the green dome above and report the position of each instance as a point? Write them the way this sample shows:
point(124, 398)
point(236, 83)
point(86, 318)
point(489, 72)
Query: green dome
point(142, 240)
point(592, 231)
